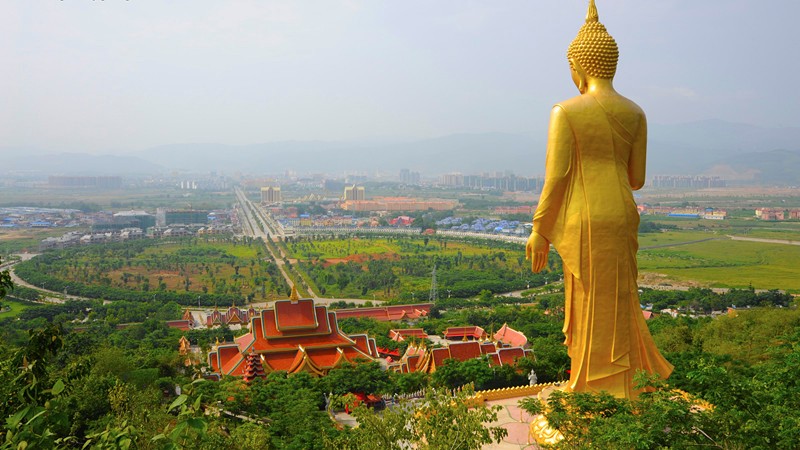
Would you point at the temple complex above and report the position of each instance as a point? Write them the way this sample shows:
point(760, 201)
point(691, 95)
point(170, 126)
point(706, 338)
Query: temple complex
point(420, 358)
point(296, 335)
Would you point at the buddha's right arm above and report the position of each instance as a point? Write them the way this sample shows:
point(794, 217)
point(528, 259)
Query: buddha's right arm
point(560, 156)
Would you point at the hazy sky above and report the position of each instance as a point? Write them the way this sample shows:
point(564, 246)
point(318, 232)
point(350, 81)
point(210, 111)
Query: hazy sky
point(117, 76)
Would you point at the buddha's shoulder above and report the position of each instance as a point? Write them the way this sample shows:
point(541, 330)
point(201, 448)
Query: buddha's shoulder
point(585, 101)
point(573, 103)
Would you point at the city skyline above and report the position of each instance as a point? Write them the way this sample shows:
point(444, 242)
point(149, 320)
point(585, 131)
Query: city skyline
point(116, 77)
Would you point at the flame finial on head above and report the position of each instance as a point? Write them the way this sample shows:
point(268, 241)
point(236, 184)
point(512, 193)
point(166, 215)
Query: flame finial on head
point(591, 15)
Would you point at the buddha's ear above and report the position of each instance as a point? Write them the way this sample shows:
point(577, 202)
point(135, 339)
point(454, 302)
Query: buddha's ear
point(578, 75)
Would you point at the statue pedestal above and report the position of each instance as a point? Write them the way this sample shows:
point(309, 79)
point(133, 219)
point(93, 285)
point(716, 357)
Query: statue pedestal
point(541, 431)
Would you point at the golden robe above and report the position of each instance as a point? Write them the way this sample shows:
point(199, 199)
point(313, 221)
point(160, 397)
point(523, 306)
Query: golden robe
point(595, 157)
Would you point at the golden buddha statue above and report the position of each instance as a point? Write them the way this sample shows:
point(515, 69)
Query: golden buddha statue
point(596, 150)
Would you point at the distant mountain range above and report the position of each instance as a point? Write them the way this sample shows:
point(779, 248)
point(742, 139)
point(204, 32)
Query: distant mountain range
point(737, 151)
point(40, 162)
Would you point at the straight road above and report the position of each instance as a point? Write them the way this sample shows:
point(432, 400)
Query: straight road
point(254, 219)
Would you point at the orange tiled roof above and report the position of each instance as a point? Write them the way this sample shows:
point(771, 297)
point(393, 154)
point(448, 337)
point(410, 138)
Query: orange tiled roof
point(468, 331)
point(463, 351)
point(388, 313)
point(511, 337)
point(421, 359)
point(401, 334)
point(232, 315)
point(488, 347)
point(509, 356)
point(183, 325)
point(295, 315)
point(295, 336)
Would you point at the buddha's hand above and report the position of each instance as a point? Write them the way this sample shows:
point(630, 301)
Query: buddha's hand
point(537, 250)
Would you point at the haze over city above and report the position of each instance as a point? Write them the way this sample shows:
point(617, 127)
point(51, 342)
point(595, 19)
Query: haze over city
point(118, 77)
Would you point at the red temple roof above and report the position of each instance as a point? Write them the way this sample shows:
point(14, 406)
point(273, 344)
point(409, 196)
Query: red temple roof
point(470, 332)
point(296, 336)
point(388, 313)
point(511, 337)
point(231, 316)
point(422, 359)
point(183, 325)
point(401, 334)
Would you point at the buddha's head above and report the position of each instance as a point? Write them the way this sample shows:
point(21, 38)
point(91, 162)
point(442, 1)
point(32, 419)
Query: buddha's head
point(593, 53)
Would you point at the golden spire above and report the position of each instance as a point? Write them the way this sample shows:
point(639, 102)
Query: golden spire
point(295, 296)
point(591, 14)
point(594, 49)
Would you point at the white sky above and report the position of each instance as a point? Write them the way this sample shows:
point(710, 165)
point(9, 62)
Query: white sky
point(117, 76)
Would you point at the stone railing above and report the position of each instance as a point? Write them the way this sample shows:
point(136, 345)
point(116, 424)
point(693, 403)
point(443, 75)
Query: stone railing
point(511, 392)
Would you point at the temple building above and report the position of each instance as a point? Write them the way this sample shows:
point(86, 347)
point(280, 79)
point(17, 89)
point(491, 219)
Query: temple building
point(185, 323)
point(419, 358)
point(468, 333)
point(390, 313)
point(296, 335)
point(233, 316)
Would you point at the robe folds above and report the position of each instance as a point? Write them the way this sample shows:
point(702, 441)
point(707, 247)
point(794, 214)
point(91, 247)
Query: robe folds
point(588, 213)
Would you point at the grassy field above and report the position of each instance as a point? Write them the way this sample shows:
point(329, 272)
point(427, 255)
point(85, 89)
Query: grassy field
point(222, 266)
point(726, 263)
point(347, 248)
point(673, 238)
point(15, 307)
point(400, 267)
point(770, 233)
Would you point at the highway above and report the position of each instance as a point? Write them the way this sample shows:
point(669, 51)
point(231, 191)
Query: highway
point(255, 220)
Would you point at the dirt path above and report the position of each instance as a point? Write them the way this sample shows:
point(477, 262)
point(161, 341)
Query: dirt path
point(677, 244)
point(767, 241)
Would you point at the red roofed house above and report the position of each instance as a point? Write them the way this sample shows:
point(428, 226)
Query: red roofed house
point(402, 334)
point(388, 313)
point(510, 337)
point(296, 335)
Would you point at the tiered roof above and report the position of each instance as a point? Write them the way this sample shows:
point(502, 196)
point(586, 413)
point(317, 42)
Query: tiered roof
point(232, 316)
point(423, 359)
point(296, 335)
point(388, 313)
point(253, 368)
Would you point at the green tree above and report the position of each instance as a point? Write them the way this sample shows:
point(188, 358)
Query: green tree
point(437, 421)
point(6, 284)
